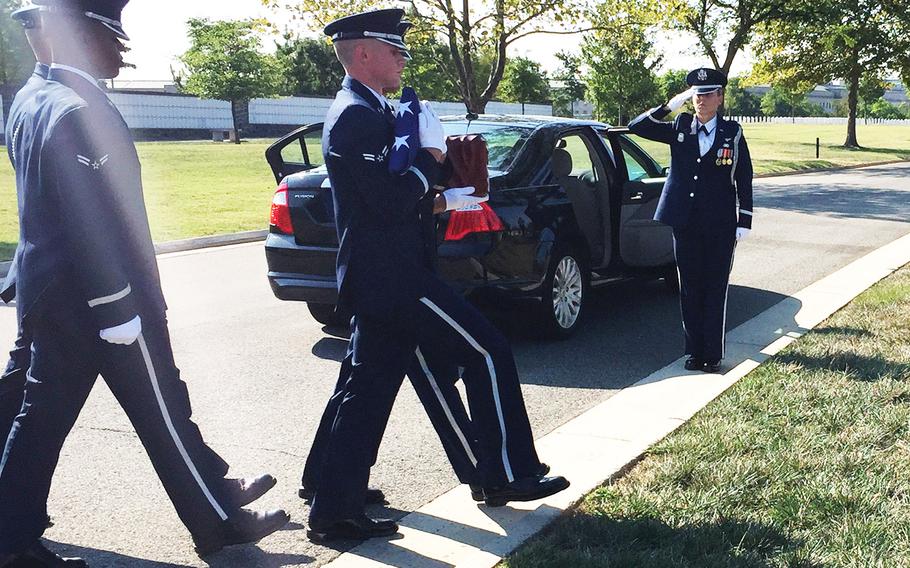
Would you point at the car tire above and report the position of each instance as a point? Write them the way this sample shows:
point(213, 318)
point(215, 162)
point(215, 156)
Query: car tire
point(325, 314)
point(565, 294)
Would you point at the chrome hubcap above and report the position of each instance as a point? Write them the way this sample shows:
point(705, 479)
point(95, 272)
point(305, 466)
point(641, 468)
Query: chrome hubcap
point(567, 290)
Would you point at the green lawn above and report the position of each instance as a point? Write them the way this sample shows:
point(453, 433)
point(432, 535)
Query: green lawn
point(804, 463)
point(191, 189)
point(203, 188)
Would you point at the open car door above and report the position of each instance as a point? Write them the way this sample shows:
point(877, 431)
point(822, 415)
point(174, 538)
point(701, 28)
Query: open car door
point(298, 151)
point(644, 242)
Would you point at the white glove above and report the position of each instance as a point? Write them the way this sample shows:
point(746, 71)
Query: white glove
point(742, 233)
point(430, 127)
point(461, 198)
point(123, 334)
point(680, 99)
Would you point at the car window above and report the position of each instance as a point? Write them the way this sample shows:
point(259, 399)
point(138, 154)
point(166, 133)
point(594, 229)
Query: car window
point(504, 141)
point(293, 152)
point(639, 164)
point(581, 156)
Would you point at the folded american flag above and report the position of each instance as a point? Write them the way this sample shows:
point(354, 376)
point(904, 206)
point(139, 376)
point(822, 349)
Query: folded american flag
point(407, 134)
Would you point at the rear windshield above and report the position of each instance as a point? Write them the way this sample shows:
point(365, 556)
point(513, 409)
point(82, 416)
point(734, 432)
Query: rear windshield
point(504, 141)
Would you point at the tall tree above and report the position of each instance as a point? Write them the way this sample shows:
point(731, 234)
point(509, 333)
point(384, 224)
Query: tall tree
point(569, 86)
point(740, 102)
point(828, 39)
point(621, 82)
point(672, 83)
point(465, 29)
point(16, 58)
point(523, 81)
point(308, 67)
point(224, 62)
point(721, 28)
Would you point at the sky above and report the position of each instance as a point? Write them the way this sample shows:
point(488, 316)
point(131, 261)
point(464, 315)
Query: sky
point(158, 36)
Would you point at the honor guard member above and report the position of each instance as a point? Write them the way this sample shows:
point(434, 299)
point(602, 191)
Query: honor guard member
point(396, 300)
point(89, 298)
point(12, 383)
point(707, 199)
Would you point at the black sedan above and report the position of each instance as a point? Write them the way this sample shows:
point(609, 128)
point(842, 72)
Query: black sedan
point(575, 199)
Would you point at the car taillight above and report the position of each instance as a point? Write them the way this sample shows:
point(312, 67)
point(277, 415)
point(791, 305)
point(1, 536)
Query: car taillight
point(280, 215)
point(479, 219)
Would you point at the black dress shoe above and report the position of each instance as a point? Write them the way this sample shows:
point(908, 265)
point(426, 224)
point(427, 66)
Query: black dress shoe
point(374, 496)
point(358, 528)
point(242, 527)
point(37, 556)
point(526, 489)
point(244, 491)
point(711, 367)
point(477, 490)
point(694, 364)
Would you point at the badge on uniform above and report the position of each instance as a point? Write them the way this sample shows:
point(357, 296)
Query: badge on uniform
point(724, 157)
point(681, 137)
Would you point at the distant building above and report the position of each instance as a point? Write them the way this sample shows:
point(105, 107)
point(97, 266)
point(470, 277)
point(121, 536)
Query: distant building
point(830, 95)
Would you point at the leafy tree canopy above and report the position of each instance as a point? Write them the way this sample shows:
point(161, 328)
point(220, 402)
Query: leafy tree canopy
point(524, 82)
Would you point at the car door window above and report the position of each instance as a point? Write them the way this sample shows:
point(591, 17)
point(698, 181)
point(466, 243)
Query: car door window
point(582, 166)
point(639, 164)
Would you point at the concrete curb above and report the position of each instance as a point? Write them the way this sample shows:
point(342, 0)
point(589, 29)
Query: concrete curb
point(603, 442)
point(831, 169)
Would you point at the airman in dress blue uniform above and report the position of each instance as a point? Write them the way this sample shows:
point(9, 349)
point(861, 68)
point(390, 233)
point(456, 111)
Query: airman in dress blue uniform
point(707, 199)
point(397, 301)
point(89, 300)
point(12, 382)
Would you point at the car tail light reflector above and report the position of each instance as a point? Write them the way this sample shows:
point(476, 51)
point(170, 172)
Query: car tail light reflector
point(280, 215)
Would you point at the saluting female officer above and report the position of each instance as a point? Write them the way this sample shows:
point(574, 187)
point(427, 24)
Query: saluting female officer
point(710, 170)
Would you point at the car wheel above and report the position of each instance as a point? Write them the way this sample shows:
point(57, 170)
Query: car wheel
point(325, 314)
point(565, 294)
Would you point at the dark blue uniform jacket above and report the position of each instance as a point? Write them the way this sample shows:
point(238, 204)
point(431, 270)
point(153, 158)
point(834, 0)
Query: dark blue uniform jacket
point(699, 192)
point(83, 227)
point(14, 122)
point(381, 217)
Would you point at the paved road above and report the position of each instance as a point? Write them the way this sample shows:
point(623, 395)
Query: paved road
point(260, 370)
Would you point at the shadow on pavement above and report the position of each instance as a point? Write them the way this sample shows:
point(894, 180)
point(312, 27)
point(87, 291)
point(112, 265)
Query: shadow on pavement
point(631, 329)
point(249, 556)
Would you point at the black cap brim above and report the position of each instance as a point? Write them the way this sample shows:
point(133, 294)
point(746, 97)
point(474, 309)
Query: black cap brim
point(707, 89)
point(25, 13)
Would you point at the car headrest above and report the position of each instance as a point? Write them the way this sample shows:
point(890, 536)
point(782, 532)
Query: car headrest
point(561, 163)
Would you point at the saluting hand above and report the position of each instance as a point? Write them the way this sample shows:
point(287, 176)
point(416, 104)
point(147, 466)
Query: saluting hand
point(680, 99)
point(123, 334)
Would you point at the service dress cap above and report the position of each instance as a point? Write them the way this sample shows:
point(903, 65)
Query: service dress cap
point(384, 25)
point(26, 15)
point(706, 80)
point(105, 11)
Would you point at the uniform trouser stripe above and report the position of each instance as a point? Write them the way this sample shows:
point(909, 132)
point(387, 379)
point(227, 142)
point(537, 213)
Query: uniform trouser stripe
point(445, 407)
point(491, 369)
point(153, 378)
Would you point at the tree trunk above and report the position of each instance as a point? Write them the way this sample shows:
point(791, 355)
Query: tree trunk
point(239, 117)
point(852, 98)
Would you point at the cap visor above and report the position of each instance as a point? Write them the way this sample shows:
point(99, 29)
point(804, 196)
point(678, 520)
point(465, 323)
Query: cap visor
point(399, 44)
point(25, 13)
point(118, 31)
point(707, 89)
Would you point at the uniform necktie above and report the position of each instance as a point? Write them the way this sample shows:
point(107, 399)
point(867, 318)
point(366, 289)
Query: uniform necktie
point(703, 129)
